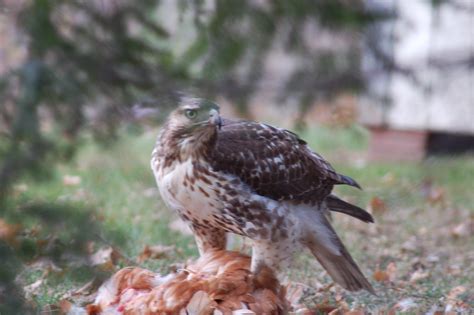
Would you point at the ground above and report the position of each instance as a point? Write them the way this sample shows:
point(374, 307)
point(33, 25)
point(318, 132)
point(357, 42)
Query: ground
point(418, 254)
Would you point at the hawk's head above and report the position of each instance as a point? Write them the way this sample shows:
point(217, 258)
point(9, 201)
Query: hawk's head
point(193, 125)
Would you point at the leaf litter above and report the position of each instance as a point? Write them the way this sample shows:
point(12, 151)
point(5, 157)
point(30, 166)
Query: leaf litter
point(415, 263)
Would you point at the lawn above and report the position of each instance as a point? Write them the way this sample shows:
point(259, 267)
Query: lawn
point(418, 254)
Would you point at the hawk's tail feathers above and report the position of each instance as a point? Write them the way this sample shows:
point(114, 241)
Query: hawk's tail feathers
point(328, 249)
point(342, 269)
point(335, 204)
point(346, 180)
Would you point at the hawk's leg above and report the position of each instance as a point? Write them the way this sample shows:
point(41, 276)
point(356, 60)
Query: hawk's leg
point(209, 238)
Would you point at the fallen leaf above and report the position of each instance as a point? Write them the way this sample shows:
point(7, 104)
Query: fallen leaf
point(456, 291)
point(391, 271)
point(436, 195)
point(342, 305)
point(380, 276)
point(32, 289)
point(404, 305)
point(294, 293)
point(45, 264)
point(377, 206)
point(90, 245)
point(388, 178)
point(432, 258)
point(9, 232)
point(20, 188)
point(86, 289)
point(71, 180)
point(433, 194)
point(463, 229)
point(65, 306)
point(355, 312)
point(325, 308)
point(454, 270)
point(418, 275)
point(389, 274)
point(155, 252)
point(435, 309)
point(454, 305)
point(106, 258)
point(411, 245)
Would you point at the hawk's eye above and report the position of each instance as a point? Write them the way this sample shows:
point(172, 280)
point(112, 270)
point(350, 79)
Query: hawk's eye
point(191, 113)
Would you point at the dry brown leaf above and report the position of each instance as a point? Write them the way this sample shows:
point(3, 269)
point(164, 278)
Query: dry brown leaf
point(388, 178)
point(464, 229)
point(411, 245)
point(432, 194)
point(106, 258)
point(456, 291)
point(32, 289)
point(343, 306)
point(20, 188)
point(65, 306)
point(454, 305)
point(9, 232)
point(294, 293)
point(391, 270)
point(454, 270)
point(90, 245)
point(355, 312)
point(86, 289)
point(418, 275)
point(377, 206)
point(46, 264)
point(380, 276)
point(155, 252)
point(325, 308)
point(71, 180)
point(403, 305)
point(436, 195)
point(389, 274)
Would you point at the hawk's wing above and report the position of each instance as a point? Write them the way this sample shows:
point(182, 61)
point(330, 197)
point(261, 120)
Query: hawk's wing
point(274, 162)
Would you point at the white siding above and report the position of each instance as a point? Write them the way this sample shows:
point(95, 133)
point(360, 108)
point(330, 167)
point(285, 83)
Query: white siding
point(443, 98)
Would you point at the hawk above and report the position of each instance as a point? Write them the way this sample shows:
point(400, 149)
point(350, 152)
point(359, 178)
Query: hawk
point(252, 179)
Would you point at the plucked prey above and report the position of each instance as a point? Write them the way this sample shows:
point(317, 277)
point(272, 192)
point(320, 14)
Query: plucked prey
point(224, 176)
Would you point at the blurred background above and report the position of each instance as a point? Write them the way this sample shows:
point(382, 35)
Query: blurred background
point(383, 89)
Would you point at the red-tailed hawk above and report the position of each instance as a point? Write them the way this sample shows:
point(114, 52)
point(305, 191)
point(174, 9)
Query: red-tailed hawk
point(254, 180)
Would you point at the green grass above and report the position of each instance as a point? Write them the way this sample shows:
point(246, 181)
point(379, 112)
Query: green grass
point(118, 186)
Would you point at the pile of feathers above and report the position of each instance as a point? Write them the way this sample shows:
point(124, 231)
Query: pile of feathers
point(220, 282)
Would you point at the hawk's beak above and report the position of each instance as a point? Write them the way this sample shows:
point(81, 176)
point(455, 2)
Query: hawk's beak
point(215, 118)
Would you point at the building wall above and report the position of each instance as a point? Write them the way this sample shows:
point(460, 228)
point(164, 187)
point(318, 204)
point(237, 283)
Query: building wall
point(438, 94)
